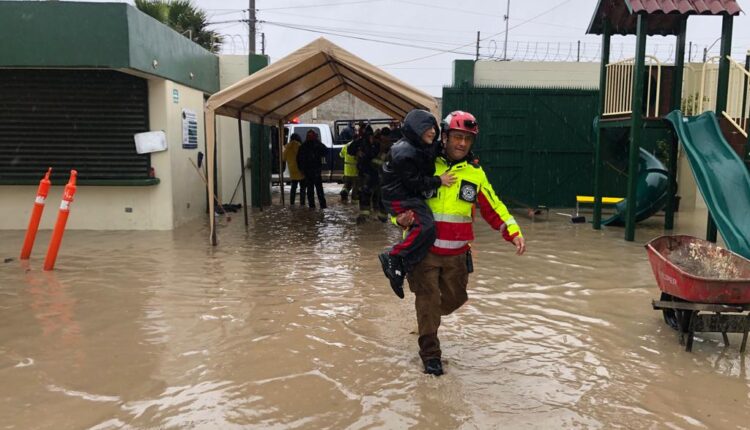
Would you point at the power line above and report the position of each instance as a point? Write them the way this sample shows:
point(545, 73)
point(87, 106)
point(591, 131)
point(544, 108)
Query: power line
point(378, 25)
point(488, 37)
point(408, 37)
point(408, 45)
point(432, 6)
point(245, 20)
point(319, 5)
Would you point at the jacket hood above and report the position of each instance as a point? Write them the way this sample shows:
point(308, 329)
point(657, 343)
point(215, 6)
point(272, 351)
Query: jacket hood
point(416, 123)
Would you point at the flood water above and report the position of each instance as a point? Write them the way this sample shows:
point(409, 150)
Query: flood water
point(290, 323)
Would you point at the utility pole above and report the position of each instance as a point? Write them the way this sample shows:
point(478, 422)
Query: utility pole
point(505, 44)
point(263, 43)
point(477, 56)
point(251, 24)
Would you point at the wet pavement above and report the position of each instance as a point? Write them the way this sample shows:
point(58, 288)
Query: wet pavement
point(290, 324)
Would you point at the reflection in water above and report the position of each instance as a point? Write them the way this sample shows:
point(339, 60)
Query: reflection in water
point(291, 324)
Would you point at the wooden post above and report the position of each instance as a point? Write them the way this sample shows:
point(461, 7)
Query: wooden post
point(679, 66)
point(721, 95)
point(606, 37)
point(636, 126)
point(242, 166)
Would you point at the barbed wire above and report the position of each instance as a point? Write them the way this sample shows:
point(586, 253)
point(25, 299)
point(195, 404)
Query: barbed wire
point(580, 51)
point(548, 51)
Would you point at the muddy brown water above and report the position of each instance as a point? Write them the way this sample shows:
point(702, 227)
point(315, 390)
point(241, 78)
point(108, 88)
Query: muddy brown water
point(291, 324)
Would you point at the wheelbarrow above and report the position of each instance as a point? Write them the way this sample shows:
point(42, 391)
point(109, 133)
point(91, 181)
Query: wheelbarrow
point(704, 287)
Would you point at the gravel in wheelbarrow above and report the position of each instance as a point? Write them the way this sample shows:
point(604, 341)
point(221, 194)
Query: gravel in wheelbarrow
point(696, 270)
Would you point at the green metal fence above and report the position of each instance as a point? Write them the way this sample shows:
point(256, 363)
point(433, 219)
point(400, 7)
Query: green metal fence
point(536, 144)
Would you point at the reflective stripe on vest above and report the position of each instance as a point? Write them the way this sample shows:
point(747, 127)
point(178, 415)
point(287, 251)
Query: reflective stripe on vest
point(451, 218)
point(507, 224)
point(450, 244)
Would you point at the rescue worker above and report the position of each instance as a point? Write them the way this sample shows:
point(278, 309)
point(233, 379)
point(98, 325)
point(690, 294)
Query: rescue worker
point(309, 159)
point(366, 150)
point(289, 156)
point(439, 281)
point(382, 142)
point(351, 175)
point(346, 135)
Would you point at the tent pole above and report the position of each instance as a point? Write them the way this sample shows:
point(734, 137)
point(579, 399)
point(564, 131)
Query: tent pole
point(261, 143)
point(210, 142)
point(281, 160)
point(242, 167)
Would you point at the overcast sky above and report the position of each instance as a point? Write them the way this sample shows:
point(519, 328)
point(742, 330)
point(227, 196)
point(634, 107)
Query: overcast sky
point(418, 31)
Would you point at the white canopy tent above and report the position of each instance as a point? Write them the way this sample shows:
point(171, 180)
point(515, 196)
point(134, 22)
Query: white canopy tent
point(299, 82)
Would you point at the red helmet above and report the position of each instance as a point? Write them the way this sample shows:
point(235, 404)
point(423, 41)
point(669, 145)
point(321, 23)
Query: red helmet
point(460, 120)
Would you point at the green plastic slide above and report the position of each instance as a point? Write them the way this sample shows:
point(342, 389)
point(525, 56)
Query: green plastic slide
point(722, 177)
point(651, 193)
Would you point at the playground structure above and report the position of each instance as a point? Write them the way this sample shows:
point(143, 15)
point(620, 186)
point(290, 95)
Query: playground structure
point(637, 93)
point(705, 288)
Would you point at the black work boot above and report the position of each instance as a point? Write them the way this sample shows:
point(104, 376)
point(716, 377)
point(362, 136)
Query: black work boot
point(433, 366)
point(394, 271)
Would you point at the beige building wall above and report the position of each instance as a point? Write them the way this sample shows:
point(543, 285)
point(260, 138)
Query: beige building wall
point(179, 197)
point(188, 189)
point(232, 68)
point(536, 74)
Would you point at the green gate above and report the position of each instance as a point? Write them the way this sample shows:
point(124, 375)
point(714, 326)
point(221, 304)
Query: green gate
point(536, 144)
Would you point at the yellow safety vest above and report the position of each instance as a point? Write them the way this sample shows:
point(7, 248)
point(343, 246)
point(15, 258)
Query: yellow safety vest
point(350, 161)
point(453, 208)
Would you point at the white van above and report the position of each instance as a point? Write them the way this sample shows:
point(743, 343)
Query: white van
point(333, 165)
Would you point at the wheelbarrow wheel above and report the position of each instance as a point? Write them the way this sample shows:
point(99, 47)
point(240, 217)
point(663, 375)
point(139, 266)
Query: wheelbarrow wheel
point(674, 317)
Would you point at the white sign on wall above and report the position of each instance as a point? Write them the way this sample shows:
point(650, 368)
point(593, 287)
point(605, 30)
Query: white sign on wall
point(150, 141)
point(189, 129)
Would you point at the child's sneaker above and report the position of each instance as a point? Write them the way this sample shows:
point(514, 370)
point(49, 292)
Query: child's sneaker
point(433, 366)
point(394, 270)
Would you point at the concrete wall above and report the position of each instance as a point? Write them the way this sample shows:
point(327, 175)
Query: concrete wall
point(342, 106)
point(178, 198)
point(536, 74)
point(232, 68)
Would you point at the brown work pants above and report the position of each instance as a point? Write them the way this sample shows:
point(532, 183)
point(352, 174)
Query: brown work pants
point(439, 283)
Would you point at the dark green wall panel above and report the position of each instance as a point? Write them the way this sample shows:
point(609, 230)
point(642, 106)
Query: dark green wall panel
point(62, 34)
point(463, 72)
point(177, 57)
point(52, 34)
point(536, 144)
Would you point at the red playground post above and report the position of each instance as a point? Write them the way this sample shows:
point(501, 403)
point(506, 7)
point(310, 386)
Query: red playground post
point(36, 215)
point(62, 219)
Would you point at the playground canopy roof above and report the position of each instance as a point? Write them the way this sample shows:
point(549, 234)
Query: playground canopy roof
point(308, 77)
point(663, 15)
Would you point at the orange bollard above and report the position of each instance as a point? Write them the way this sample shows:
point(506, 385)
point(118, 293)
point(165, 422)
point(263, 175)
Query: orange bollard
point(62, 219)
point(36, 215)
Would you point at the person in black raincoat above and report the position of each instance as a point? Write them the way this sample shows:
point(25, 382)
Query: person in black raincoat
point(309, 160)
point(366, 150)
point(408, 179)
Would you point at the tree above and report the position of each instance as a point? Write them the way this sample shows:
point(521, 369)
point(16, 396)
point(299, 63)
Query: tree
point(184, 18)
